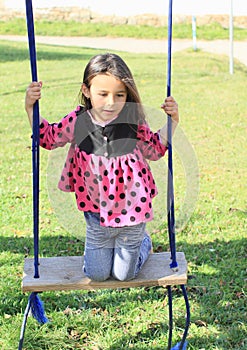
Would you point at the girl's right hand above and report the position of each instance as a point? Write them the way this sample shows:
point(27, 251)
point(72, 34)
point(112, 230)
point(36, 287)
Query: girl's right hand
point(33, 94)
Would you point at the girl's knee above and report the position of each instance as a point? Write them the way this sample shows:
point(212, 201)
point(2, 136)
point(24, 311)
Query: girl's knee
point(98, 264)
point(123, 275)
point(99, 276)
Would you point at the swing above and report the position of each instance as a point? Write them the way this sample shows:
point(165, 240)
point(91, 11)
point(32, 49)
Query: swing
point(66, 273)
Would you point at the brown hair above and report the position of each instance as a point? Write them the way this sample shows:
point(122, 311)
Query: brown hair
point(112, 64)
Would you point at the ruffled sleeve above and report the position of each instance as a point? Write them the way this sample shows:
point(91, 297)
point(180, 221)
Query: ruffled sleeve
point(57, 134)
point(150, 143)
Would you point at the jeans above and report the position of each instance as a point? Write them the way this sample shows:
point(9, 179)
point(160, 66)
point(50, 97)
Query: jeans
point(114, 251)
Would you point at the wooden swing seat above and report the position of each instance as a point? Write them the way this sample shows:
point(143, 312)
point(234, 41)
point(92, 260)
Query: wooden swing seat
point(65, 273)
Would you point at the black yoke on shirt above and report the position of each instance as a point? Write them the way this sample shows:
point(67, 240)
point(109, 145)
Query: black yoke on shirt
point(115, 139)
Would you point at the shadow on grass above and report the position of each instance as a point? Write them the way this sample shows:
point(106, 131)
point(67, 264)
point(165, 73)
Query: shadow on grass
point(13, 52)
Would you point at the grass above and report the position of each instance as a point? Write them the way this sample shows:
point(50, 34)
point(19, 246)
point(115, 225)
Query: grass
point(61, 28)
point(209, 146)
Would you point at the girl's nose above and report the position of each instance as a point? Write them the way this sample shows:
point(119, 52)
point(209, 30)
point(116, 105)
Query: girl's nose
point(110, 100)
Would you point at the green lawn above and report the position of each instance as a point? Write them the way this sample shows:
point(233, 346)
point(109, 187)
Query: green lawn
point(210, 185)
point(71, 28)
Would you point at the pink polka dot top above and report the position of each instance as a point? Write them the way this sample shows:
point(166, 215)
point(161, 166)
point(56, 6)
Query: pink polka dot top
point(106, 165)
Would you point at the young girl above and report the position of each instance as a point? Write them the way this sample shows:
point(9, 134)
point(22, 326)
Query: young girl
point(106, 165)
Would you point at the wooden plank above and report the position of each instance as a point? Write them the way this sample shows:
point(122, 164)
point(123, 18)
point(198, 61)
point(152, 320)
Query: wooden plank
point(65, 273)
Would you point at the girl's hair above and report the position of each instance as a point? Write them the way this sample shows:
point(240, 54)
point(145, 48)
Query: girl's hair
point(112, 64)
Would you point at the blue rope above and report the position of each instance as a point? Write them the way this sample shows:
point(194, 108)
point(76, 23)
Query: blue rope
point(170, 189)
point(169, 291)
point(23, 327)
point(35, 139)
point(34, 303)
point(183, 343)
point(170, 205)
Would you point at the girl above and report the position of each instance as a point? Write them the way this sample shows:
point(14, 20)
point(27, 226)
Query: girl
point(106, 165)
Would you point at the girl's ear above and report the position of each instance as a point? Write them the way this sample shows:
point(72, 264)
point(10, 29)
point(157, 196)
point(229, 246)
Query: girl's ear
point(85, 90)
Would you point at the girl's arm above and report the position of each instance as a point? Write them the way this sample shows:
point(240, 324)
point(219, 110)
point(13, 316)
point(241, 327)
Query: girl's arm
point(170, 107)
point(33, 94)
point(51, 135)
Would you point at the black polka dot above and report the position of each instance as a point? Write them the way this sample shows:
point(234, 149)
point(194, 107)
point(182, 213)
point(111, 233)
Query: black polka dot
point(124, 211)
point(133, 193)
point(138, 209)
point(117, 220)
point(103, 203)
point(62, 178)
point(147, 215)
point(87, 173)
point(82, 204)
point(122, 195)
point(132, 219)
point(70, 174)
point(143, 199)
point(81, 189)
point(110, 213)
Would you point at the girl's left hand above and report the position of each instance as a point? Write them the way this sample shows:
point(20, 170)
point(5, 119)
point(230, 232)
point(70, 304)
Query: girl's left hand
point(170, 107)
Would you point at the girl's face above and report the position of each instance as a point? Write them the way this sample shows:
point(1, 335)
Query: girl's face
point(108, 96)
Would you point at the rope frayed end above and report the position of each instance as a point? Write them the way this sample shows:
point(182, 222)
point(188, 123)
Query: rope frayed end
point(178, 346)
point(37, 308)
